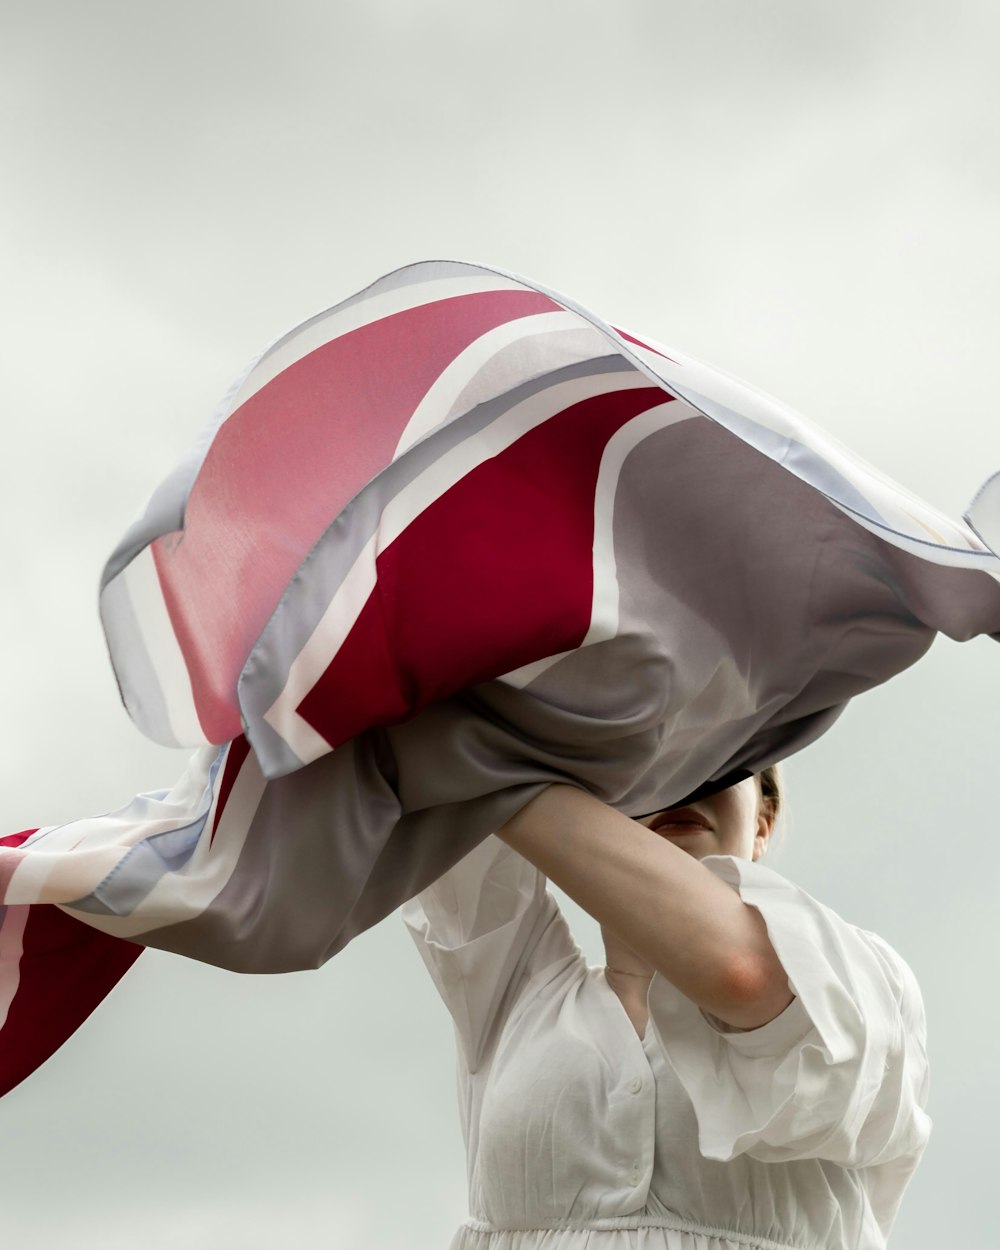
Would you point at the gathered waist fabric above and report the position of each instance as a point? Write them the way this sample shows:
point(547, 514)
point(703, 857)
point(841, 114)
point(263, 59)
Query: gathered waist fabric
point(624, 1232)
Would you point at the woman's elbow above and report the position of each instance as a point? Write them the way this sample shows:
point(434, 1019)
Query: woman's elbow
point(757, 992)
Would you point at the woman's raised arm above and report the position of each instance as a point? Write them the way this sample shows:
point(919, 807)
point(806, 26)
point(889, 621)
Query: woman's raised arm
point(672, 911)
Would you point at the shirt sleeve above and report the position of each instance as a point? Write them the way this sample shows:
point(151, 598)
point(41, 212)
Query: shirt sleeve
point(841, 1074)
point(485, 929)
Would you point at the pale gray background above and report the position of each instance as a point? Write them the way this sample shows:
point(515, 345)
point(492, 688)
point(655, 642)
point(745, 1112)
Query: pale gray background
point(805, 193)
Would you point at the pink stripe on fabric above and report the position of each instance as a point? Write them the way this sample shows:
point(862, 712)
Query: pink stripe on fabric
point(496, 573)
point(285, 464)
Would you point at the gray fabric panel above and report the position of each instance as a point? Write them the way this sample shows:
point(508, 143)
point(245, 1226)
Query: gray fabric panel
point(785, 451)
point(164, 514)
point(331, 850)
point(138, 684)
point(306, 858)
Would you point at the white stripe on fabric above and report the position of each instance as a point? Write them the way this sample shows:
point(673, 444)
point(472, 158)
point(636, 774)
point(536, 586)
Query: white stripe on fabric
point(62, 875)
point(142, 584)
point(337, 322)
point(353, 593)
point(983, 513)
point(986, 561)
point(604, 612)
point(11, 950)
point(182, 895)
point(500, 360)
point(70, 861)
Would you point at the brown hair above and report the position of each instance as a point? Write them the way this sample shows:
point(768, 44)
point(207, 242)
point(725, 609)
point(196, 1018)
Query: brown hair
point(771, 790)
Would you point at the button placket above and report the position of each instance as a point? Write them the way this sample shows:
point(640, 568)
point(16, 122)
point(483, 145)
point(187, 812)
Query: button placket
point(635, 1102)
point(636, 1172)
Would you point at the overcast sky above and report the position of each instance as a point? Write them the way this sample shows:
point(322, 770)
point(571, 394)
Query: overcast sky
point(805, 194)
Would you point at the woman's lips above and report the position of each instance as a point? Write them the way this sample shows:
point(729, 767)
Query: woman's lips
point(683, 820)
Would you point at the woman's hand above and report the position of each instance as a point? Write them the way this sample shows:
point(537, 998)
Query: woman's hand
point(688, 925)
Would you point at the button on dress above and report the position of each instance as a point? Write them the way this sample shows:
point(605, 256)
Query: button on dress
point(580, 1135)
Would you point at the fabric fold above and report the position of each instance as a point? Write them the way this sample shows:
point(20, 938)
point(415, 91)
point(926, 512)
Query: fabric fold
point(447, 542)
point(841, 1074)
point(485, 929)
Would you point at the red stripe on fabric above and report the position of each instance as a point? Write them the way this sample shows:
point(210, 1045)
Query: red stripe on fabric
point(16, 839)
point(496, 573)
point(66, 969)
point(284, 465)
point(10, 861)
point(238, 751)
point(639, 343)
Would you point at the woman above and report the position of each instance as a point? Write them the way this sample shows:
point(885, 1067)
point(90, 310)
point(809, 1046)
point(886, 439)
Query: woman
point(748, 1069)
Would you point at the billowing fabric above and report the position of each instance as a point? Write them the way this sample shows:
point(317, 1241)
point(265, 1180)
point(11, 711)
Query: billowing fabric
point(448, 542)
point(582, 1136)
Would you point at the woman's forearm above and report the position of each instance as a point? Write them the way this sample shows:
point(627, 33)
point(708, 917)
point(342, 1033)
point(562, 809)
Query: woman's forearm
point(688, 925)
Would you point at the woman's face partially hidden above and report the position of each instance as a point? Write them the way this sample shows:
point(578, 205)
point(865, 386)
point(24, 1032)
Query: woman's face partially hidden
point(732, 822)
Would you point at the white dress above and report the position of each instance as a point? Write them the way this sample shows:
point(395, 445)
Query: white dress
point(581, 1136)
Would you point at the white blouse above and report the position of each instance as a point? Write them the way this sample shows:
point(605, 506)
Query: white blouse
point(580, 1135)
